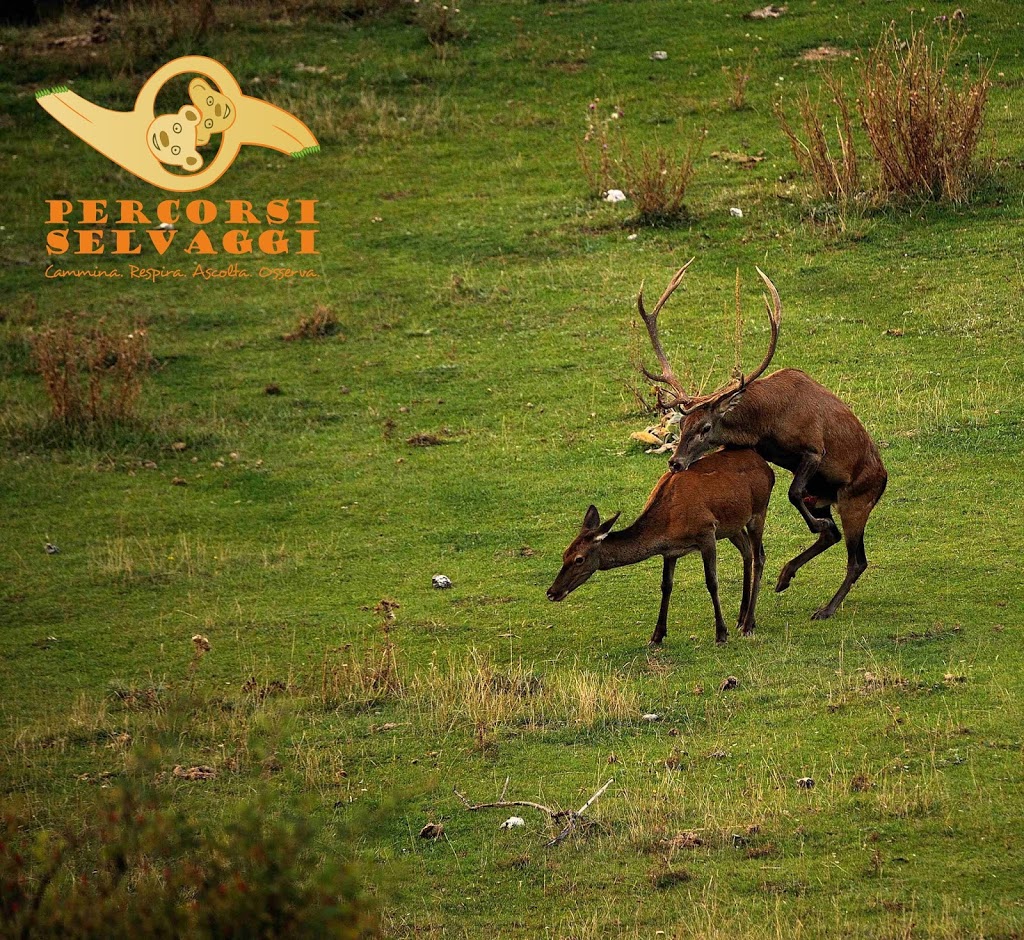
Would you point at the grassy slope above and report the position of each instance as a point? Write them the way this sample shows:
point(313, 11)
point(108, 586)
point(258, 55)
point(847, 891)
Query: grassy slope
point(493, 299)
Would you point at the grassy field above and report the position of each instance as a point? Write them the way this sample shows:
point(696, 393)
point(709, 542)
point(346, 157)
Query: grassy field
point(483, 297)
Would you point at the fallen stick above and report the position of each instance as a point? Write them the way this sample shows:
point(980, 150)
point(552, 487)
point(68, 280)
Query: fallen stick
point(573, 817)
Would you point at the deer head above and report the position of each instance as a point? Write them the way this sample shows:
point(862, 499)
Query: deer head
point(700, 427)
point(583, 556)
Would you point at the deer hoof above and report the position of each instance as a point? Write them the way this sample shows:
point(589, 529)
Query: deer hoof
point(749, 629)
point(822, 613)
point(784, 578)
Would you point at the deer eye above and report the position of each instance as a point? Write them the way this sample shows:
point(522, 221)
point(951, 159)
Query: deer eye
point(706, 428)
point(579, 560)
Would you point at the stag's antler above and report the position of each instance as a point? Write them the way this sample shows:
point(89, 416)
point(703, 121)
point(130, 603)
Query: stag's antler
point(667, 376)
point(688, 403)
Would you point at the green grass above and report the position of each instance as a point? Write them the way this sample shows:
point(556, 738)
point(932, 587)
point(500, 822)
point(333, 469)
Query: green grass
point(483, 298)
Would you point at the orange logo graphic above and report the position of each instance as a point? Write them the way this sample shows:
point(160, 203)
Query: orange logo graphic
point(146, 144)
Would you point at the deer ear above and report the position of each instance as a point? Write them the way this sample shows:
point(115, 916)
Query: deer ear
point(606, 526)
point(728, 403)
point(592, 520)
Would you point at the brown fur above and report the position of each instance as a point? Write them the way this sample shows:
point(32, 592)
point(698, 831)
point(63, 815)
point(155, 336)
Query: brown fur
point(724, 495)
point(796, 423)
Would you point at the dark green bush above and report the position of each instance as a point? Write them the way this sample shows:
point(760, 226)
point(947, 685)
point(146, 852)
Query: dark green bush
point(137, 868)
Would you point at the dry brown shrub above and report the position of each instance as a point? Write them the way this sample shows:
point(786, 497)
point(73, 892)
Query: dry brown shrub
point(657, 180)
point(319, 325)
point(595, 149)
point(924, 121)
point(93, 375)
point(835, 174)
point(739, 77)
point(361, 677)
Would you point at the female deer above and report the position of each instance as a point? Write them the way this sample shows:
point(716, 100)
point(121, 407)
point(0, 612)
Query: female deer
point(722, 496)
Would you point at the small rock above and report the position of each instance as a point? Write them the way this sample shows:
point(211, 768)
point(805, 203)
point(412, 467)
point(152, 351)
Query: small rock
point(631, 238)
point(424, 440)
point(432, 831)
point(615, 195)
point(441, 582)
point(179, 446)
point(513, 822)
point(651, 716)
point(659, 56)
point(201, 772)
point(770, 12)
point(51, 549)
point(687, 839)
point(149, 465)
point(179, 481)
point(805, 783)
point(736, 212)
point(729, 682)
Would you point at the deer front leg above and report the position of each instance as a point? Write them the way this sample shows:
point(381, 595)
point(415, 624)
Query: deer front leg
point(710, 556)
point(667, 574)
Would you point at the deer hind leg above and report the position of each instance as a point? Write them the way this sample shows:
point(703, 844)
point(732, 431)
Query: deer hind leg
point(827, 537)
point(667, 574)
point(709, 554)
point(755, 531)
point(742, 542)
point(854, 514)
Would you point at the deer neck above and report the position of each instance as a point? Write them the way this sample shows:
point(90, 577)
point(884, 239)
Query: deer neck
point(627, 546)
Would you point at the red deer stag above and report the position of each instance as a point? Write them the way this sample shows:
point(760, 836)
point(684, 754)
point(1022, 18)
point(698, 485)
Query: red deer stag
point(795, 423)
point(723, 496)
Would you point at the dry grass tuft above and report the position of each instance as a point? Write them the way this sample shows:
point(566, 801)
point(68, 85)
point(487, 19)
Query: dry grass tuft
point(594, 151)
point(93, 376)
point(442, 23)
point(834, 174)
point(477, 693)
point(318, 325)
point(657, 180)
point(351, 677)
point(924, 123)
point(739, 77)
